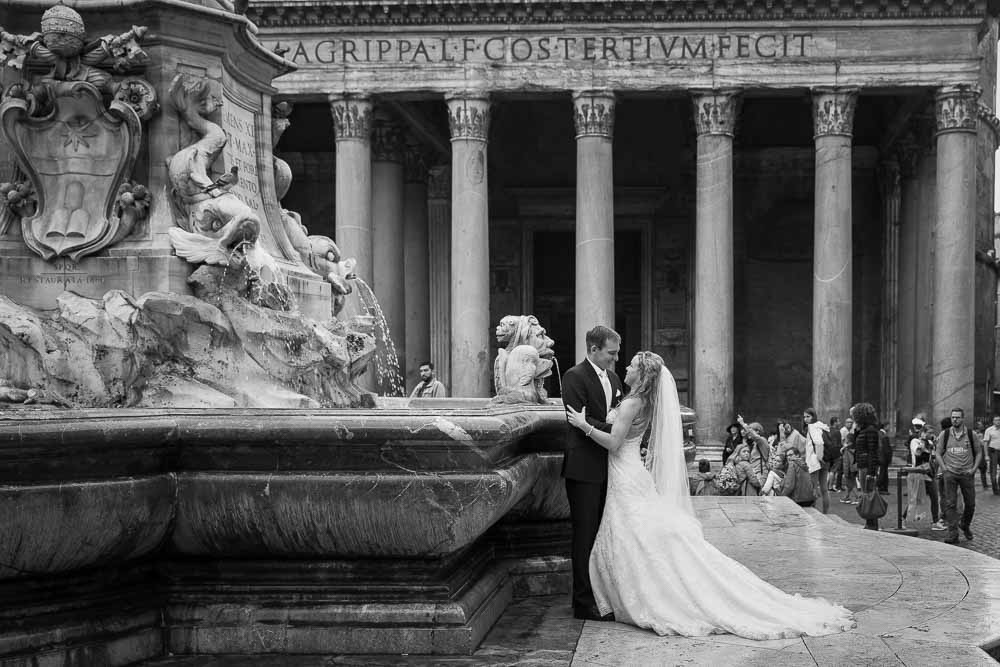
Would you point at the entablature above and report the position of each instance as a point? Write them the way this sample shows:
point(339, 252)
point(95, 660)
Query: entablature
point(362, 13)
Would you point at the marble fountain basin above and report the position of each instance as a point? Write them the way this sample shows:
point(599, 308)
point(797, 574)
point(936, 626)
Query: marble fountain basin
point(79, 488)
point(407, 528)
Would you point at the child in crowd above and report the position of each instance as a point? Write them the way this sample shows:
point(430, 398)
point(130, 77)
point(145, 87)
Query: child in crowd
point(703, 481)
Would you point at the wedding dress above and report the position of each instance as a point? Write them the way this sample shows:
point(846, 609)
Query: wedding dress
point(652, 567)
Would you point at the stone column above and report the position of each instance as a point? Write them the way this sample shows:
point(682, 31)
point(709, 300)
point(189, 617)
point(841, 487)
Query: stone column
point(416, 273)
point(833, 340)
point(439, 247)
point(889, 185)
point(594, 117)
point(469, 121)
point(352, 118)
point(387, 245)
point(954, 251)
point(910, 312)
point(922, 337)
point(712, 355)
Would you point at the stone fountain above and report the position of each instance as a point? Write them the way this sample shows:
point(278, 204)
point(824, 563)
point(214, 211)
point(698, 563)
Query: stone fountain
point(187, 466)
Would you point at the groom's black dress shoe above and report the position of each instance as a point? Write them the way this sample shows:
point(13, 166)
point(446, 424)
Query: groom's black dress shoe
point(587, 613)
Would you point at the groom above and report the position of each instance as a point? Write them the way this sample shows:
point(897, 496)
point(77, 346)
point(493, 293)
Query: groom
point(591, 384)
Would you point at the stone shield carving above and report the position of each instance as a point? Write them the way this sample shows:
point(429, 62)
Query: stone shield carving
point(75, 157)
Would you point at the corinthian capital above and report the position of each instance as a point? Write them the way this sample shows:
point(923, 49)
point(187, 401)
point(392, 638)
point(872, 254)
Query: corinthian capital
point(594, 113)
point(833, 111)
point(469, 117)
point(414, 163)
point(387, 140)
point(956, 109)
point(439, 182)
point(352, 117)
point(715, 111)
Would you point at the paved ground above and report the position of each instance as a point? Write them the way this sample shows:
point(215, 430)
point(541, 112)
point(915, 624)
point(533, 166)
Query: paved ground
point(985, 522)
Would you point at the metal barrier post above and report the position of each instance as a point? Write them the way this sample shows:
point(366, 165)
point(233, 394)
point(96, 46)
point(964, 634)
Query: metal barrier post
point(901, 474)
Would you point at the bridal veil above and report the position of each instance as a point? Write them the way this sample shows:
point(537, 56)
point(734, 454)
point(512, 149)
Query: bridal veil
point(665, 453)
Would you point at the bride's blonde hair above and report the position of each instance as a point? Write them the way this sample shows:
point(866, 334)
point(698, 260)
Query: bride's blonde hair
point(644, 390)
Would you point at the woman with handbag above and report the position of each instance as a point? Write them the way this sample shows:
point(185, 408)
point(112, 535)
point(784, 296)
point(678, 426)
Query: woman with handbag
point(872, 506)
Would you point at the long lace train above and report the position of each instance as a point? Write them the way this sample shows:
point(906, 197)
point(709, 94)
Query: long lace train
point(653, 568)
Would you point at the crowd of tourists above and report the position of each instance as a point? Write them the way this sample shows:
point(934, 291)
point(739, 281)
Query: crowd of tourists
point(810, 460)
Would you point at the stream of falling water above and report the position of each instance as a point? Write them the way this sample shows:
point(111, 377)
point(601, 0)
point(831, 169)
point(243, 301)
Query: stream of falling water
point(388, 380)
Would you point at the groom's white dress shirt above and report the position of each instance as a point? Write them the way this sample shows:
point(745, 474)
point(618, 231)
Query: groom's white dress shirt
point(602, 375)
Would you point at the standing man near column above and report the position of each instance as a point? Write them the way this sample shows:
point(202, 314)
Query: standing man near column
point(591, 384)
point(991, 440)
point(959, 453)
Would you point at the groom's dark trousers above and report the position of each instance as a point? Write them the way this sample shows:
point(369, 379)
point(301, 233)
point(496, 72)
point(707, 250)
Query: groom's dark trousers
point(585, 468)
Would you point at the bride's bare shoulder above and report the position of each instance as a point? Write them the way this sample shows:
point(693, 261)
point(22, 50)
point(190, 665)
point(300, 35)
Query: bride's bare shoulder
point(630, 406)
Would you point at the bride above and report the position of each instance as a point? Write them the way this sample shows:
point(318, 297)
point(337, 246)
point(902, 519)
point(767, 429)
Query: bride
point(651, 566)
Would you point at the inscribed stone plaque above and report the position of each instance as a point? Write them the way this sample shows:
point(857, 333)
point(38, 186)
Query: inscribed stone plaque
point(535, 46)
point(240, 123)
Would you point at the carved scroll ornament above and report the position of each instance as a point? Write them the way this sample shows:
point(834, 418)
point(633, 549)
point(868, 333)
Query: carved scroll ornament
point(74, 153)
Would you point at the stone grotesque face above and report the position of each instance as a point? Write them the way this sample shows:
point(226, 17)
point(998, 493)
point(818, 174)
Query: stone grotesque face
point(328, 263)
point(227, 219)
point(505, 330)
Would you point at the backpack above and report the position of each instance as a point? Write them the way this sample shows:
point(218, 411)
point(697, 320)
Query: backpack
point(831, 450)
point(727, 482)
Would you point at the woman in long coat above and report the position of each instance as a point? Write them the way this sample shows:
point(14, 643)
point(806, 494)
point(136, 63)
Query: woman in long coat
point(866, 444)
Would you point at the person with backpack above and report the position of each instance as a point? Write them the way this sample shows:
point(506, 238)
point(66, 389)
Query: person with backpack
point(819, 454)
point(737, 477)
point(958, 453)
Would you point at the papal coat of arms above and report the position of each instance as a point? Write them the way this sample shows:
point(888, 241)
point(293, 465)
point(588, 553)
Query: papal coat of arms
point(76, 131)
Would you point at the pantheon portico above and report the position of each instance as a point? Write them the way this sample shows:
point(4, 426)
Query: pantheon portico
point(786, 202)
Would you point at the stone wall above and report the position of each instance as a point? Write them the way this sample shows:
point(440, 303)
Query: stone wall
point(774, 249)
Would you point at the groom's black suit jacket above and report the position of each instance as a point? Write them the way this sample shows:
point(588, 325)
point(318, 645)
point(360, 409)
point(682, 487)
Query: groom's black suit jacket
point(585, 460)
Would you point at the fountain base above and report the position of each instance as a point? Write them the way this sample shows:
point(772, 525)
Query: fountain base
point(127, 534)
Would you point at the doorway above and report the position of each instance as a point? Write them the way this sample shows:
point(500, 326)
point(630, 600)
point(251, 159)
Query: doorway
point(553, 265)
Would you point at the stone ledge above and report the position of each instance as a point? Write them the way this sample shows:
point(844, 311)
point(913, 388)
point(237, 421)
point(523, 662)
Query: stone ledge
point(306, 626)
point(277, 13)
point(41, 444)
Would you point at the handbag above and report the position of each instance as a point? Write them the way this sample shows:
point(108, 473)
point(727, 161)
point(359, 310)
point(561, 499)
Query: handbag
point(872, 505)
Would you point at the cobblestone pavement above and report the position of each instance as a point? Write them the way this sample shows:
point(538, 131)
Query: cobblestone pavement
point(985, 522)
